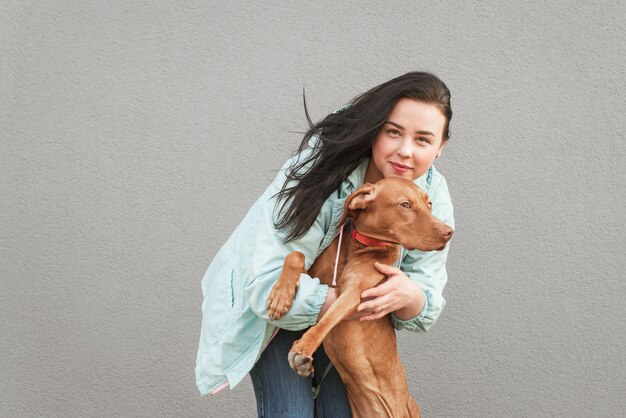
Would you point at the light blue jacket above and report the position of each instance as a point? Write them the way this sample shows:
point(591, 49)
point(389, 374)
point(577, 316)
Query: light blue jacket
point(235, 325)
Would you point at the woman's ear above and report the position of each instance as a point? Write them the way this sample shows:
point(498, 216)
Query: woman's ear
point(358, 200)
point(443, 144)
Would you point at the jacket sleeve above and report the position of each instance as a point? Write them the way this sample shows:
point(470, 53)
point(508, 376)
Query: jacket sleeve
point(428, 269)
point(268, 255)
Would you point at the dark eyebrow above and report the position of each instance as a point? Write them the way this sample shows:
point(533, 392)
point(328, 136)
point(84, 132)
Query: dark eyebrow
point(397, 125)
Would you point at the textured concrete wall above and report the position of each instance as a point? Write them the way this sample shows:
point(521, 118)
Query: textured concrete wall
point(135, 135)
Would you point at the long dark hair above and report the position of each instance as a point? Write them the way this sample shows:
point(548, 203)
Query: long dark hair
point(345, 139)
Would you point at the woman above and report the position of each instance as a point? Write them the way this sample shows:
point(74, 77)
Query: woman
point(396, 129)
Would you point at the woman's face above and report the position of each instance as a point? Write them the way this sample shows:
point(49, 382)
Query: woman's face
point(408, 143)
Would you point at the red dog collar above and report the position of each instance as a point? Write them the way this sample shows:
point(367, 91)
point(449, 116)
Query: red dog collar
point(367, 241)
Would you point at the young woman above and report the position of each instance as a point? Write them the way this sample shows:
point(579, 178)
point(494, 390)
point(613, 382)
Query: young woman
point(396, 129)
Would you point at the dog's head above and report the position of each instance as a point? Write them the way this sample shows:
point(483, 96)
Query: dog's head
point(396, 210)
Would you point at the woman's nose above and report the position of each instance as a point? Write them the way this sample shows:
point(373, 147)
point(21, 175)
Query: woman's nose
point(404, 148)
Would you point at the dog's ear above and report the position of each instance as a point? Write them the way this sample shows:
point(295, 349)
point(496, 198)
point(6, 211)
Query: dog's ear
point(361, 197)
point(358, 200)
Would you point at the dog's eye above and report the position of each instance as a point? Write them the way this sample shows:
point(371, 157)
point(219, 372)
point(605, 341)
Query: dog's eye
point(430, 205)
point(405, 205)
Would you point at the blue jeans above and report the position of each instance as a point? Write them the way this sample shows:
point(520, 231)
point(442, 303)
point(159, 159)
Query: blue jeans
point(281, 393)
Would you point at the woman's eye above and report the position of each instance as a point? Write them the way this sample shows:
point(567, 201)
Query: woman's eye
point(393, 132)
point(423, 139)
point(405, 205)
point(430, 205)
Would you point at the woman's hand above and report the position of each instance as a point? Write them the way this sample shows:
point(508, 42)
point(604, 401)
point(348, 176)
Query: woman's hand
point(396, 294)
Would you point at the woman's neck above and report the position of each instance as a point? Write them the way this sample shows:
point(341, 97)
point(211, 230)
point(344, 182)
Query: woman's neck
point(372, 175)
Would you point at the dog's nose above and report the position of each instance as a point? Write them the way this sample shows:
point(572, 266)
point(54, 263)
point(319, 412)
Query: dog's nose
point(446, 231)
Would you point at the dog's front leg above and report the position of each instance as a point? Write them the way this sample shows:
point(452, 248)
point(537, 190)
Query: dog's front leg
point(281, 296)
point(301, 353)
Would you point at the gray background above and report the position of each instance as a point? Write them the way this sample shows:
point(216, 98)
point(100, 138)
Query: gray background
point(135, 136)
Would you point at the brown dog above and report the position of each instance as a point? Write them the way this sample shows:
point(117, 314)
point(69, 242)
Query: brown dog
point(365, 353)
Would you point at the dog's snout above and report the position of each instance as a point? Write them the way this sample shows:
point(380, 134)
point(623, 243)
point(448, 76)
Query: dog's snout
point(446, 231)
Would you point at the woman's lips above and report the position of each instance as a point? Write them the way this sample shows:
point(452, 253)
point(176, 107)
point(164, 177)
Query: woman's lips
point(400, 168)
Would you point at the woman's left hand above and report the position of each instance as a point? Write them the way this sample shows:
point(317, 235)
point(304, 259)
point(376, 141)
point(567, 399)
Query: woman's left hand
point(397, 294)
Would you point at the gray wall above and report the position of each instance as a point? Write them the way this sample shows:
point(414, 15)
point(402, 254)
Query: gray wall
point(135, 135)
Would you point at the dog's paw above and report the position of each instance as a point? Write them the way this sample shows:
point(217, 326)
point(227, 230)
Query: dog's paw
point(279, 300)
point(302, 364)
